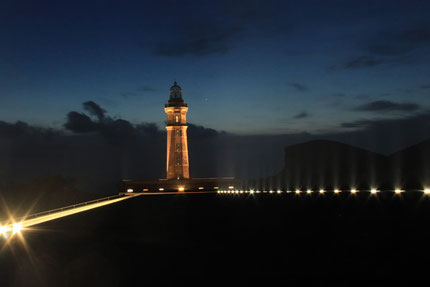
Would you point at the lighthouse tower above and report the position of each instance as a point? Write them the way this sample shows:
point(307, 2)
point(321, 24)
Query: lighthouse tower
point(177, 166)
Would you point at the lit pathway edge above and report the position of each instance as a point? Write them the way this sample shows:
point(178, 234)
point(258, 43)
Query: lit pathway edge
point(58, 213)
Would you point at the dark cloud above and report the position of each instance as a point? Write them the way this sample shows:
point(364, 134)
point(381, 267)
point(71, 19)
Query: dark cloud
point(94, 109)
point(127, 95)
point(210, 42)
point(80, 123)
point(218, 30)
point(200, 131)
point(377, 106)
point(301, 115)
point(298, 87)
point(338, 95)
point(146, 88)
point(401, 42)
point(425, 87)
point(362, 62)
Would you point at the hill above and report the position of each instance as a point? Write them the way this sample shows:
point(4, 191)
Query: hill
point(328, 164)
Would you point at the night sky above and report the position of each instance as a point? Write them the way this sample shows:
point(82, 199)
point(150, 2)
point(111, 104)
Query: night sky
point(248, 68)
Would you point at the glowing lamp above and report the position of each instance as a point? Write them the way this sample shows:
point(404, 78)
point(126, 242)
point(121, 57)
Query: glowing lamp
point(161, 189)
point(298, 191)
point(427, 191)
point(322, 191)
point(354, 190)
point(231, 187)
point(279, 191)
point(181, 188)
point(308, 191)
point(398, 190)
point(336, 190)
point(129, 190)
point(201, 187)
point(374, 191)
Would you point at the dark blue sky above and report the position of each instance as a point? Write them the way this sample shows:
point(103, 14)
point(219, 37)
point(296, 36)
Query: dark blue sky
point(247, 67)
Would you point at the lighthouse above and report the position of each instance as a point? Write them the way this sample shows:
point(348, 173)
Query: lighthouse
point(177, 165)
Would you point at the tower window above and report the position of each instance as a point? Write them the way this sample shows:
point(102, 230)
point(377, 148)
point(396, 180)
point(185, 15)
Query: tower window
point(178, 146)
point(177, 119)
point(178, 161)
point(178, 133)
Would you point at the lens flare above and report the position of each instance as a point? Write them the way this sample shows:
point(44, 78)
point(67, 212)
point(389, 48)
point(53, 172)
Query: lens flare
point(298, 191)
point(354, 190)
point(398, 190)
point(308, 191)
point(322, 191)
point(17, 227)
point(336, 190)
point(427, 190)
point(374, 191)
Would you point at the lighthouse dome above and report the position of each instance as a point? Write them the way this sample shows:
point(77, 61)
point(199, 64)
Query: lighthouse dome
point(175, 91)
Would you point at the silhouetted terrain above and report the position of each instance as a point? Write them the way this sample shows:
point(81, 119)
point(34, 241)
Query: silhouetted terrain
point(327, 164)
point(229, 240)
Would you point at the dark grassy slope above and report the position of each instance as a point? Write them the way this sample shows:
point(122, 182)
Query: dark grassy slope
point(229, 240)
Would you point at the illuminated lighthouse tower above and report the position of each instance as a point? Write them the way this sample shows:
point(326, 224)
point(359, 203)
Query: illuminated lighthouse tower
point(177, 145)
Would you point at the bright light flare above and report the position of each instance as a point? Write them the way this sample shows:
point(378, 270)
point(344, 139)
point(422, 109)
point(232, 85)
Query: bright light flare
point(17, 227)
point(374, 191)
point(3, 230)
point(129, 190)
point(181, 188)
point(308, 191)
point(353, 191)
point(398, 190)
point(298, 191)
point(322, 191)
point(279, 191)
point(337, 190)
point(427, 190)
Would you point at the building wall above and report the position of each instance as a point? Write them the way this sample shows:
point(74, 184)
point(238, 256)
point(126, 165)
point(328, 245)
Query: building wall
point(177, 143)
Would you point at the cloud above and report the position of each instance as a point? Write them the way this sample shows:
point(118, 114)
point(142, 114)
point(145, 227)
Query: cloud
point(217, 29)
point(94, 109)
point(362, 62)
point(146, 88)
point(208, 43)
point(301, 115)
point(377, 106)
point(299, 87)
point(400, 42)
point(80, 123)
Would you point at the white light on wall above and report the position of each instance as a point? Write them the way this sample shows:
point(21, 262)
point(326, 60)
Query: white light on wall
point(201, 187)
point(231, 187)
point(161, 189)
point(129, 190)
